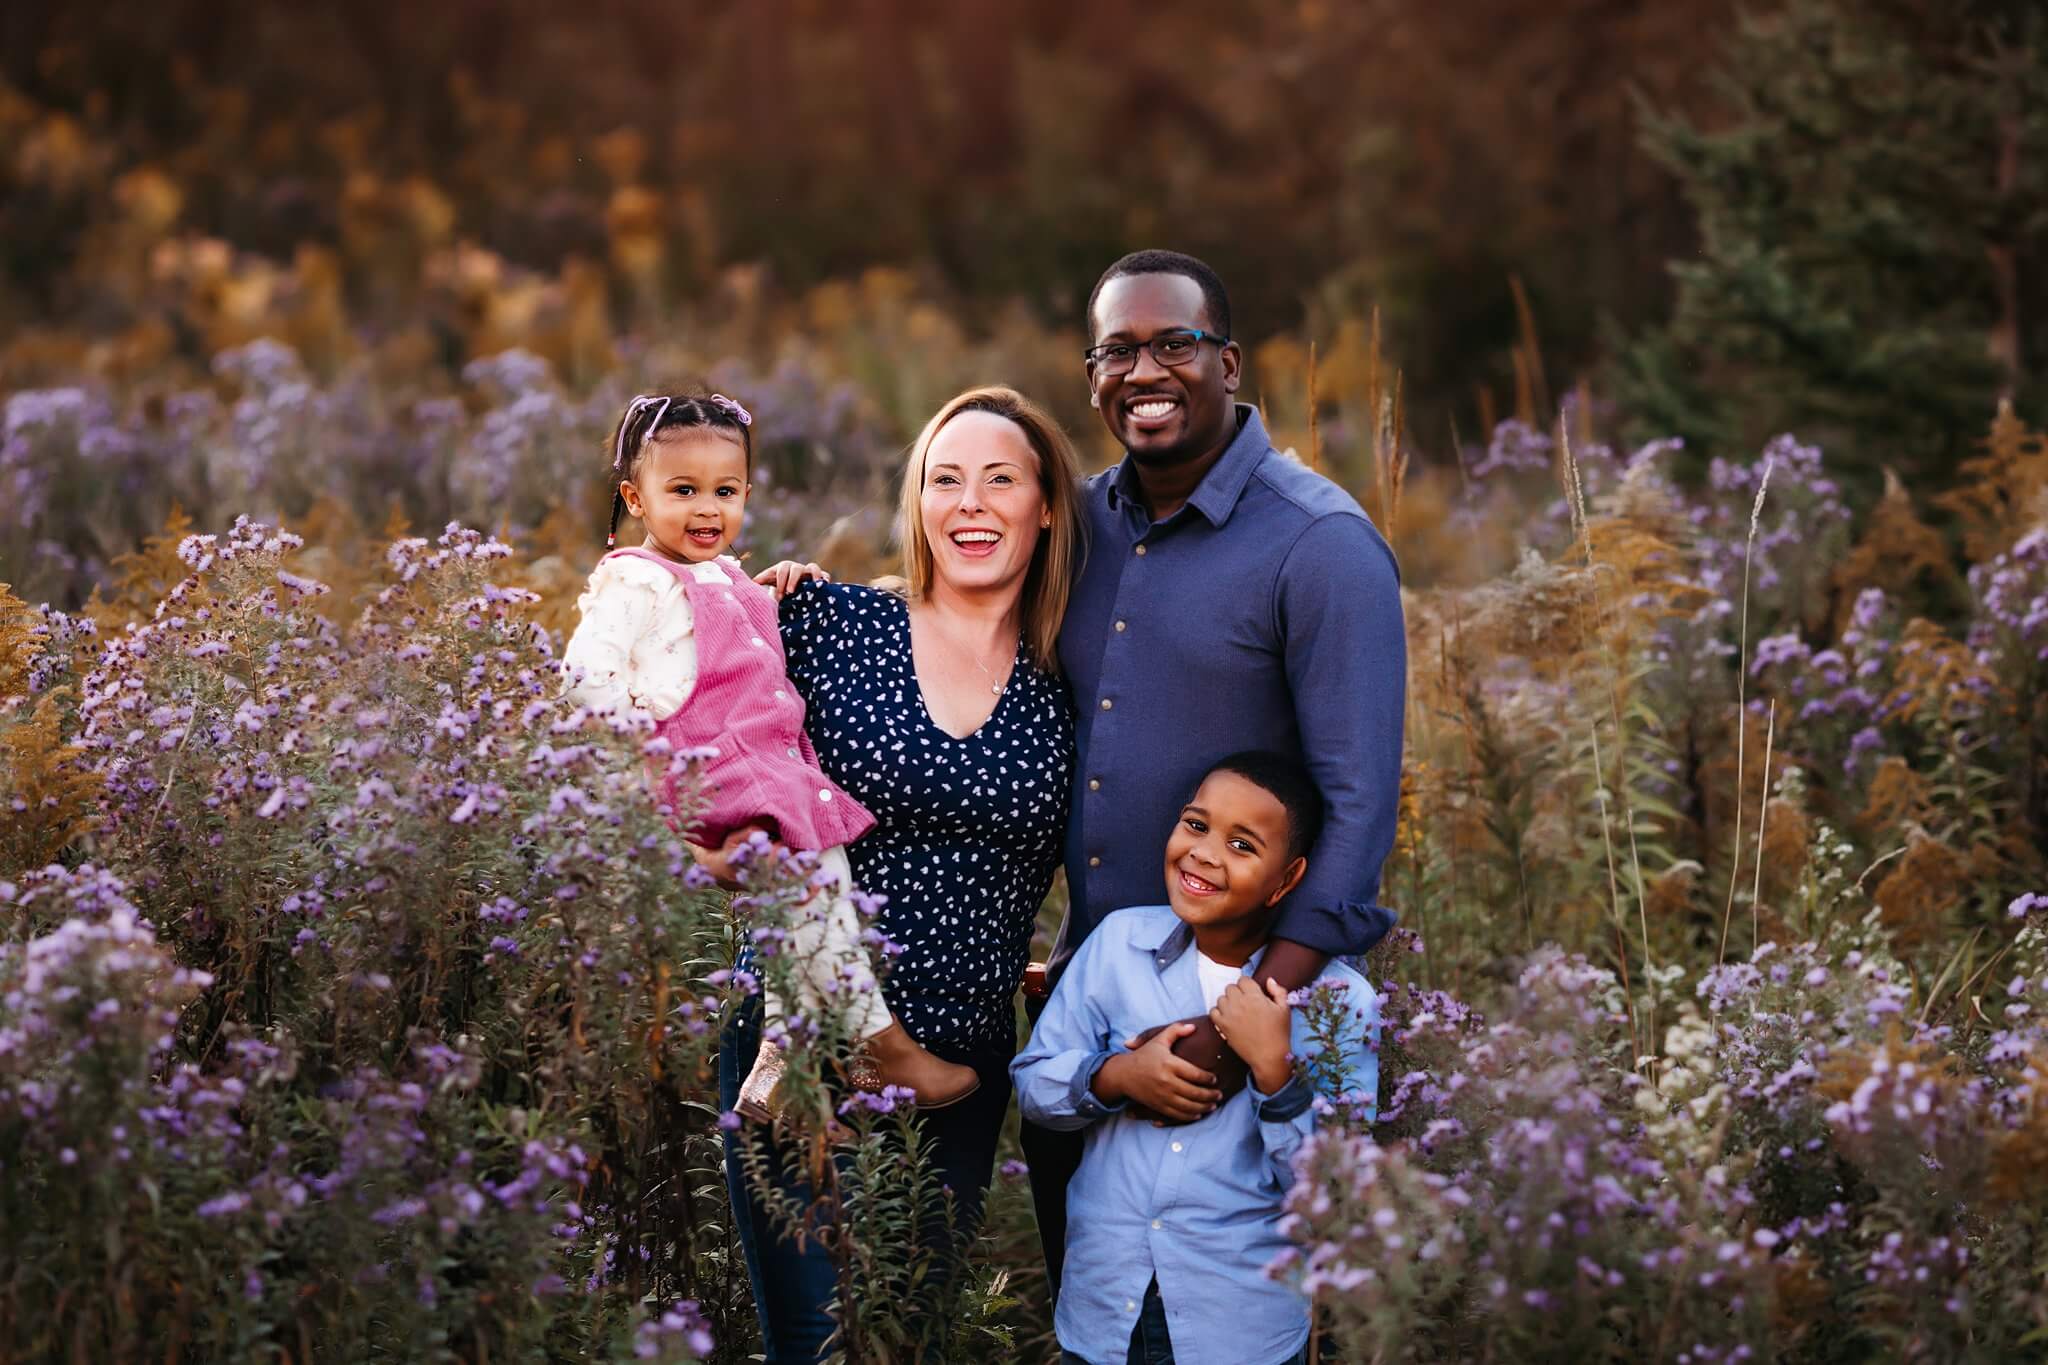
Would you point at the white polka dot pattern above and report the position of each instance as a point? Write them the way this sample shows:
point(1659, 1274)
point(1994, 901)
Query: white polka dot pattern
point(968, 830)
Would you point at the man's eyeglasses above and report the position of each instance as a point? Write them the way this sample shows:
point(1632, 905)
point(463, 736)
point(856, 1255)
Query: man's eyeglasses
point(1168, 348)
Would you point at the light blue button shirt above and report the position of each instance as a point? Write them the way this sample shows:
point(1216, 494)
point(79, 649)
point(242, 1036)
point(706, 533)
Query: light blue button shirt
point(1196, 1206)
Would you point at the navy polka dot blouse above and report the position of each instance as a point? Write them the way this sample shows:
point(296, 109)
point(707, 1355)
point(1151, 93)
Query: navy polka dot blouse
point(968, 831)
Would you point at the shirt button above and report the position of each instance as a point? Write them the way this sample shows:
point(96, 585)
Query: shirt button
point(792, 753)
point(1107, 704)
point(1095, 862)
point(1130, 1305)
point(1176, 1146)
point(1120, 627)
point(781, 695)
point(759, 642)
point(824, 793)
point(1155, 1222)
point(1095, 784)
point(1141, 549)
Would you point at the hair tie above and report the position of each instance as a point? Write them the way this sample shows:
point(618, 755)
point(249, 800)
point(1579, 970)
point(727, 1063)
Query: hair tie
point(731, 405)
point(633, 410)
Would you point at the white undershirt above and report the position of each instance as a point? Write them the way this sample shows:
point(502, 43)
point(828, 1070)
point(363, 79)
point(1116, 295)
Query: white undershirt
point(1216, 978)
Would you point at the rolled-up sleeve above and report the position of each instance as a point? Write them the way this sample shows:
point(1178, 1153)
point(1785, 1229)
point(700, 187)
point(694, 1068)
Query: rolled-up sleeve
point(1338, 600)
point(1055, 1073)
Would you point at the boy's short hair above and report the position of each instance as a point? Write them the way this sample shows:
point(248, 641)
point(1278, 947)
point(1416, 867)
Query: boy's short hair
point(1289, 781)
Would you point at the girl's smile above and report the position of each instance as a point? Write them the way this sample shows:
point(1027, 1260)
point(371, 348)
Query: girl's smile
point(691, 493)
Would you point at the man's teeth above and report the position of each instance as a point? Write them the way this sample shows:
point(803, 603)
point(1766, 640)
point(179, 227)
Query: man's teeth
point(1153, 409)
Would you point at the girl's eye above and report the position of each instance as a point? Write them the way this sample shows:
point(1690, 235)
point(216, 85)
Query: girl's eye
point(684, 490)
point(728, 492)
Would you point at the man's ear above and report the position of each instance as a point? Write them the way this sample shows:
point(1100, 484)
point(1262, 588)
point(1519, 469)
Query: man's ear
point(1233, 366)
point(1296, 870)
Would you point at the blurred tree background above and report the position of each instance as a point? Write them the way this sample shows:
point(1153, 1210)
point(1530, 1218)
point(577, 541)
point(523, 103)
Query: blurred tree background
point(1850, 189)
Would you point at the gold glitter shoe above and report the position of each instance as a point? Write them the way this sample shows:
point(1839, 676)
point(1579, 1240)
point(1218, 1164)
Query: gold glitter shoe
point(760, 1096)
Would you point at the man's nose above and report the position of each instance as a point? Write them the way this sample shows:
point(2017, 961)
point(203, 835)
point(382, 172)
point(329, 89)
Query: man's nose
point(1145, 367)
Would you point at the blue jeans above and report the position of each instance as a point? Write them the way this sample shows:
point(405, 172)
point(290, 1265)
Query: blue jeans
point(793, 1286)
point(1150, 1344)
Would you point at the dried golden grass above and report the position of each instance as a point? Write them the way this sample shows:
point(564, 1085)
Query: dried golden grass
point(48, 795)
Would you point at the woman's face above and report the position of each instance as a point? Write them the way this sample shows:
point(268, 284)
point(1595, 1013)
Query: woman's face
point(983, 505)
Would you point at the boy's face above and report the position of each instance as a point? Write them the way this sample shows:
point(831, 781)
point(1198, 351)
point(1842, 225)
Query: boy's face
point(1227, 861)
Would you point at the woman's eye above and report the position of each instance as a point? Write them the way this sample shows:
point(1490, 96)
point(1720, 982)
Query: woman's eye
point(943, 481)
point(1002, 478)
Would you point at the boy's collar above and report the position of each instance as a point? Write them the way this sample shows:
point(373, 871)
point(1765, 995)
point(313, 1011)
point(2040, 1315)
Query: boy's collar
point(1167, 938)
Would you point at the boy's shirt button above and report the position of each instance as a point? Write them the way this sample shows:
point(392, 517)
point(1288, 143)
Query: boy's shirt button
point(1176, 1146)
point(1155, 1222)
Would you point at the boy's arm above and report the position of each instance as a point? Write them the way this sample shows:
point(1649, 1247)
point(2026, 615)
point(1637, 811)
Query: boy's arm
point(1054, 1075)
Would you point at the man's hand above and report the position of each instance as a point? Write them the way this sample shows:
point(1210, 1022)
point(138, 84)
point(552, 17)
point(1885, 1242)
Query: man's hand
point(1151, 1077)
point(783, 577)
point(1293, 965)
point(1254, 1018)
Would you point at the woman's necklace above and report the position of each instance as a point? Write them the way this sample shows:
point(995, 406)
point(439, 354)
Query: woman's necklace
point(995, 684)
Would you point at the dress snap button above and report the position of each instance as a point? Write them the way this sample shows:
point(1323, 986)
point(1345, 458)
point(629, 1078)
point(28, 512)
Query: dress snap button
point(759, 642)
point(825, 794)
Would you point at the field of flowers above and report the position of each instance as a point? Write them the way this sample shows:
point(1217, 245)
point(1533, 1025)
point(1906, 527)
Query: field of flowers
point(355, 1002)
point(354, 999)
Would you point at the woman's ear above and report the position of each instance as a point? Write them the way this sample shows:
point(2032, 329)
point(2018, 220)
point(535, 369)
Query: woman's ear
point(1296, 870)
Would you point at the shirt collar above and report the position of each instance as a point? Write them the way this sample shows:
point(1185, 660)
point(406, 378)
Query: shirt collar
point(1167, 938)
point(1221, 487)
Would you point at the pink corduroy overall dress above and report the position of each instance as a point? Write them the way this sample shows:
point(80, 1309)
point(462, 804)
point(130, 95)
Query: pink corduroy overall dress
point(744, 705)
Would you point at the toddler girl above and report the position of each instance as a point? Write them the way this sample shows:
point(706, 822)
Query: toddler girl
point(675, 628)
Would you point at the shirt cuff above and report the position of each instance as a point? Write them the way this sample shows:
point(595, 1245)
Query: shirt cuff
point(1285, 1103)
point(1086, 1102)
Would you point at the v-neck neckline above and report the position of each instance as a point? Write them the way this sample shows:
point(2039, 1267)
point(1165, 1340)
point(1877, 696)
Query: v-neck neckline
point(924, 705)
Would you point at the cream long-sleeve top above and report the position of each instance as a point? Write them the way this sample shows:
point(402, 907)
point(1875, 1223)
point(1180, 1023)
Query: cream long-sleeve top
point(634, 649)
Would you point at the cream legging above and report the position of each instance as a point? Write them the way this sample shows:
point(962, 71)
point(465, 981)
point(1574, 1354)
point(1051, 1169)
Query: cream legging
point(832, 964)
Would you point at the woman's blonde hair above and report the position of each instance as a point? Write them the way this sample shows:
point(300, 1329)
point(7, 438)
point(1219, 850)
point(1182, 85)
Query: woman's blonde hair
point(1046, 584)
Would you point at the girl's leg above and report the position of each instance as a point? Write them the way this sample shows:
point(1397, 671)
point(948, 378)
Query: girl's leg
point(793, 1287)
point(835, 966)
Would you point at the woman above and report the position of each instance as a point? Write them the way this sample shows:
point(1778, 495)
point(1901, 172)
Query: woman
point(940, 709)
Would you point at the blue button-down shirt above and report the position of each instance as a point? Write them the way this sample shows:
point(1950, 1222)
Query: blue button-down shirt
point(1196, 1206)
point(1264, 614)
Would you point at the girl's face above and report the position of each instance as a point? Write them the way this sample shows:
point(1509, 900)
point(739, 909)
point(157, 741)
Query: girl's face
point(691, 494)
point(982, 507)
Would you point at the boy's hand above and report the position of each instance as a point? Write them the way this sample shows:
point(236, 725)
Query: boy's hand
point(1255, 1019)
point(1151, 1076)
point(784, 576)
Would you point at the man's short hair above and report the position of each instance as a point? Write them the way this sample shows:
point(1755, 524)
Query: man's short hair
point(1289, 781)
point(1215, 302)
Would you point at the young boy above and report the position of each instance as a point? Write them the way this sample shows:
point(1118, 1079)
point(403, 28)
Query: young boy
point(1170, 1228)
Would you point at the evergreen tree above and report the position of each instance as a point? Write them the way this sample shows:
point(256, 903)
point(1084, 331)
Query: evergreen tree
point(1871, 212)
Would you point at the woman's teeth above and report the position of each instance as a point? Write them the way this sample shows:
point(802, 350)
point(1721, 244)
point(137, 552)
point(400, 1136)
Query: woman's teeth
point(975, 537)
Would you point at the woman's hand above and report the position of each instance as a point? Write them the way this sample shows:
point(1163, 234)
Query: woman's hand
point(1256, 1020)
point(782, 578)
point(718, 861)
point(1152, 1077)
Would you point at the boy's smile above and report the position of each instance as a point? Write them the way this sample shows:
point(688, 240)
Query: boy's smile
point(1229, 862)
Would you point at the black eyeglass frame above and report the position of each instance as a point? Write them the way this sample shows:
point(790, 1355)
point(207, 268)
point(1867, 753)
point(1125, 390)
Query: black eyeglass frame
point(1093, 358)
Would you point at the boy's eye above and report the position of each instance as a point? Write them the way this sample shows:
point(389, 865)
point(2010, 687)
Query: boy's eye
point(1194, 824)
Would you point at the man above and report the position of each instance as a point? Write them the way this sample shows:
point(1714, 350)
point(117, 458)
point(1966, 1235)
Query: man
point(1231, 599)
